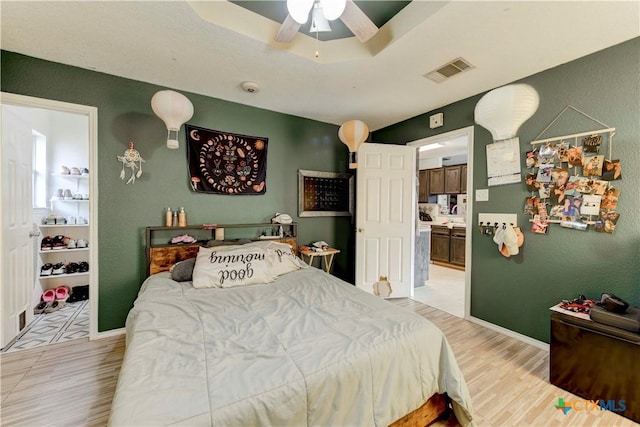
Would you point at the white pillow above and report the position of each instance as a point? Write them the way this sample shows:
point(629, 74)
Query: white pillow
point(281, 258)
point(231, 267)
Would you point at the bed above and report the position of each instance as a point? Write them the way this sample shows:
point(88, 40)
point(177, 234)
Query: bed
point(300, 348)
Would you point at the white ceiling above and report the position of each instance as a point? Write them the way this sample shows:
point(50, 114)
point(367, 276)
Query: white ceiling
point(211, 47)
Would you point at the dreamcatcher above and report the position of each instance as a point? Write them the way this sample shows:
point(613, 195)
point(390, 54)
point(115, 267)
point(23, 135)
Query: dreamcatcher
point(132, 160)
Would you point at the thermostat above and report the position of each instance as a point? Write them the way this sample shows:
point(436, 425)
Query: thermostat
point(436, 120)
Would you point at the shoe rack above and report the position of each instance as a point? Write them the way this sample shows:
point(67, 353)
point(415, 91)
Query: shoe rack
point(62, 210)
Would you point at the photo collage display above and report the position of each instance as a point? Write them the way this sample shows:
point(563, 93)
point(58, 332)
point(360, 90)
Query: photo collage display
point(573, 185)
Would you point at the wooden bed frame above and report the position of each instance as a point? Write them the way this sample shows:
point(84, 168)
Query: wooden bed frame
point(162, 258)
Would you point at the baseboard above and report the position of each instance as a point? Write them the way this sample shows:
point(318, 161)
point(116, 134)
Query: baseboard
point(527, 340)
point(108, 334)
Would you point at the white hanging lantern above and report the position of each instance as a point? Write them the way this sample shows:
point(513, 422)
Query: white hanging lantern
point(174, 109)
point(502, 111)
point(353, 133)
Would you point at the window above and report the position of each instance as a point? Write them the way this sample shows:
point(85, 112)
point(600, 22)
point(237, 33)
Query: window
point(39, 179)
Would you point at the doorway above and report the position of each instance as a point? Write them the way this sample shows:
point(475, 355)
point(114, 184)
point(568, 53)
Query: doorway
point(448, 289)
point(73, 129)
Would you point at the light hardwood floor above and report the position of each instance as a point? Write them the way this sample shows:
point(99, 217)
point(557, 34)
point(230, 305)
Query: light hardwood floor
point(72, 383)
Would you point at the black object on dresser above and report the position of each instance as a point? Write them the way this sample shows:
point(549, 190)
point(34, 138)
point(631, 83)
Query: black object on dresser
point(596, 362)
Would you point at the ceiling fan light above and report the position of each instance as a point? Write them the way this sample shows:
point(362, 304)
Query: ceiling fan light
point(333, 9)
point(319, 23)
point(299, 10)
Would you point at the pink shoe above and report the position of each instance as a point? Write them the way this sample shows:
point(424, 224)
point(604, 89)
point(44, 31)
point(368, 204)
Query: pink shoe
point(62, 293)
point(49, 295)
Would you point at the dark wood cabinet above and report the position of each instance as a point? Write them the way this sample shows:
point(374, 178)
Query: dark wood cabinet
point(463, 179)
point(440, 244)
point(436, 181)
point(445, 180)
point(457, 246)
point(448, 246)
point(596, 362)
point(423, 186)
point(452, 179)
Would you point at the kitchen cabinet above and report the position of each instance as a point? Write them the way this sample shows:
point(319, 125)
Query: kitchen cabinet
point(440, 244)
point(457, 246)
point(463, 179)
point(423, 186)
point(436, 181)
point(444, 180)
point(448, 246)
point(452, 179)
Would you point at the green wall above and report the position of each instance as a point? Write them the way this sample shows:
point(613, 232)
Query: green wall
point(516, 293)
point(124, 114)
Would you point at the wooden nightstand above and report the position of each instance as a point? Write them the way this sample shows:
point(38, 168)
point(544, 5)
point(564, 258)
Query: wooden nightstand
point(326, 255)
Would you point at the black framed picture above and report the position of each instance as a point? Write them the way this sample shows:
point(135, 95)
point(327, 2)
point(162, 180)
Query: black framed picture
point(324, 193)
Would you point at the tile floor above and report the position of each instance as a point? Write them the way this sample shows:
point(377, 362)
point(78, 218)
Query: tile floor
point(444, 290)
point(68, 323)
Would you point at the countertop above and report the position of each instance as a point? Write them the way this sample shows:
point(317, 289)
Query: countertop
point(445, 223)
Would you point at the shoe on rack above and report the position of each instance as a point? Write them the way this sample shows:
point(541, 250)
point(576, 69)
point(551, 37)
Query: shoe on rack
point(84, 171)
point(71, 244)
point(75, 171)
point(72, 267)
point(62, 293)
point(49, 295)
point(58, 242)
point(64, 170)
point(41, 307)
point(57, 195)
point(46, 244)
point(46, 269)
point(83, 267)
point(58, 269)
point(67, 194)
point(82, 243)
point(54, 306)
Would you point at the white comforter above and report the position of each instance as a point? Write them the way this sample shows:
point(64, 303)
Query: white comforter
point(307, 349)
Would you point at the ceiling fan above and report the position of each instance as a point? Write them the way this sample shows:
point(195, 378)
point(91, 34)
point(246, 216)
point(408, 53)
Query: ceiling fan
point(352, 16)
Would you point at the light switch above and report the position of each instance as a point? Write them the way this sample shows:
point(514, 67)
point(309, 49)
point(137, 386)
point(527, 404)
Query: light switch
point(482, 195)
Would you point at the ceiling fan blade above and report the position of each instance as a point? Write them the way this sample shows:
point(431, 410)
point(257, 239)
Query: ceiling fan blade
point(359, 23)
point(288, 30)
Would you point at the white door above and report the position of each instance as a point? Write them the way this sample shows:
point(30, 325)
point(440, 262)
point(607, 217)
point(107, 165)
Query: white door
point(17, 238)
point(386, 217)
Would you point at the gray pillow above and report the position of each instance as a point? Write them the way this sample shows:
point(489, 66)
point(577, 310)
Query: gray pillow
point(182, 271)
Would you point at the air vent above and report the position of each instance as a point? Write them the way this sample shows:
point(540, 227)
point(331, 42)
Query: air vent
point(454, 67)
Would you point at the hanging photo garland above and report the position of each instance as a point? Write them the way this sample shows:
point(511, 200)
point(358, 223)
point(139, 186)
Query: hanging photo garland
point(570, 180)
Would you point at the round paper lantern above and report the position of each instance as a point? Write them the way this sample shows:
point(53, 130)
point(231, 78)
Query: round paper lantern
point(502, 111)
point(174, 109)
point(353, 133)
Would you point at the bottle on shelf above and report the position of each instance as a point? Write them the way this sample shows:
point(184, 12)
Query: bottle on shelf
point(175, 219)
point(182, 218)
point(168, 218)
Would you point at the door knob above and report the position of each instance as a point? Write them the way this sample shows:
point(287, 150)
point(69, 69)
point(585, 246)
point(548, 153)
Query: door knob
point(34, 233)
point(360, 230)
